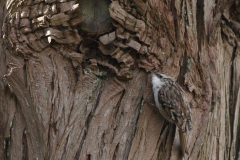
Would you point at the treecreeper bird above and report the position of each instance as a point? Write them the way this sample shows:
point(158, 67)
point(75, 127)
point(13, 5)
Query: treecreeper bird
point(172, 104)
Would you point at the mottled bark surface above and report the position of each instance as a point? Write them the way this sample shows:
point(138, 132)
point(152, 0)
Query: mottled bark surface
point(75, 85)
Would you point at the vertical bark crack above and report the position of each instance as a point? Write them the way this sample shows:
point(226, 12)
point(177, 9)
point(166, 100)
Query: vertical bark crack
point(231, 97)
point(200, 23)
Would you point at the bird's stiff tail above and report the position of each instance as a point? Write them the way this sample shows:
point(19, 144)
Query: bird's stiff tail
point(183, 142)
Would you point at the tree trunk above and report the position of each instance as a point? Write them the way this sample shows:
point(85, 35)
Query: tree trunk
point(75, 82)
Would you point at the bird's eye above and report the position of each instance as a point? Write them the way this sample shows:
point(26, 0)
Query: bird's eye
point(161, 76)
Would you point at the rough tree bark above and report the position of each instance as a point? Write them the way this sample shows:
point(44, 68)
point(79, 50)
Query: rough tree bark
point(74, 84)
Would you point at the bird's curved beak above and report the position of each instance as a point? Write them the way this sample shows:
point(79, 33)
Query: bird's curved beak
point(152, 71)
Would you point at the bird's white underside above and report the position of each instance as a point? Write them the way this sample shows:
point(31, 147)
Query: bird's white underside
point(156, 85)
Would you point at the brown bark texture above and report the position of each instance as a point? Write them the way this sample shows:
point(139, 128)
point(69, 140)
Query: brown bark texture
point(75, 81)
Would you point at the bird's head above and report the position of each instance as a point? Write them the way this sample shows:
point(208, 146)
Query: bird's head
point(162, 75)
